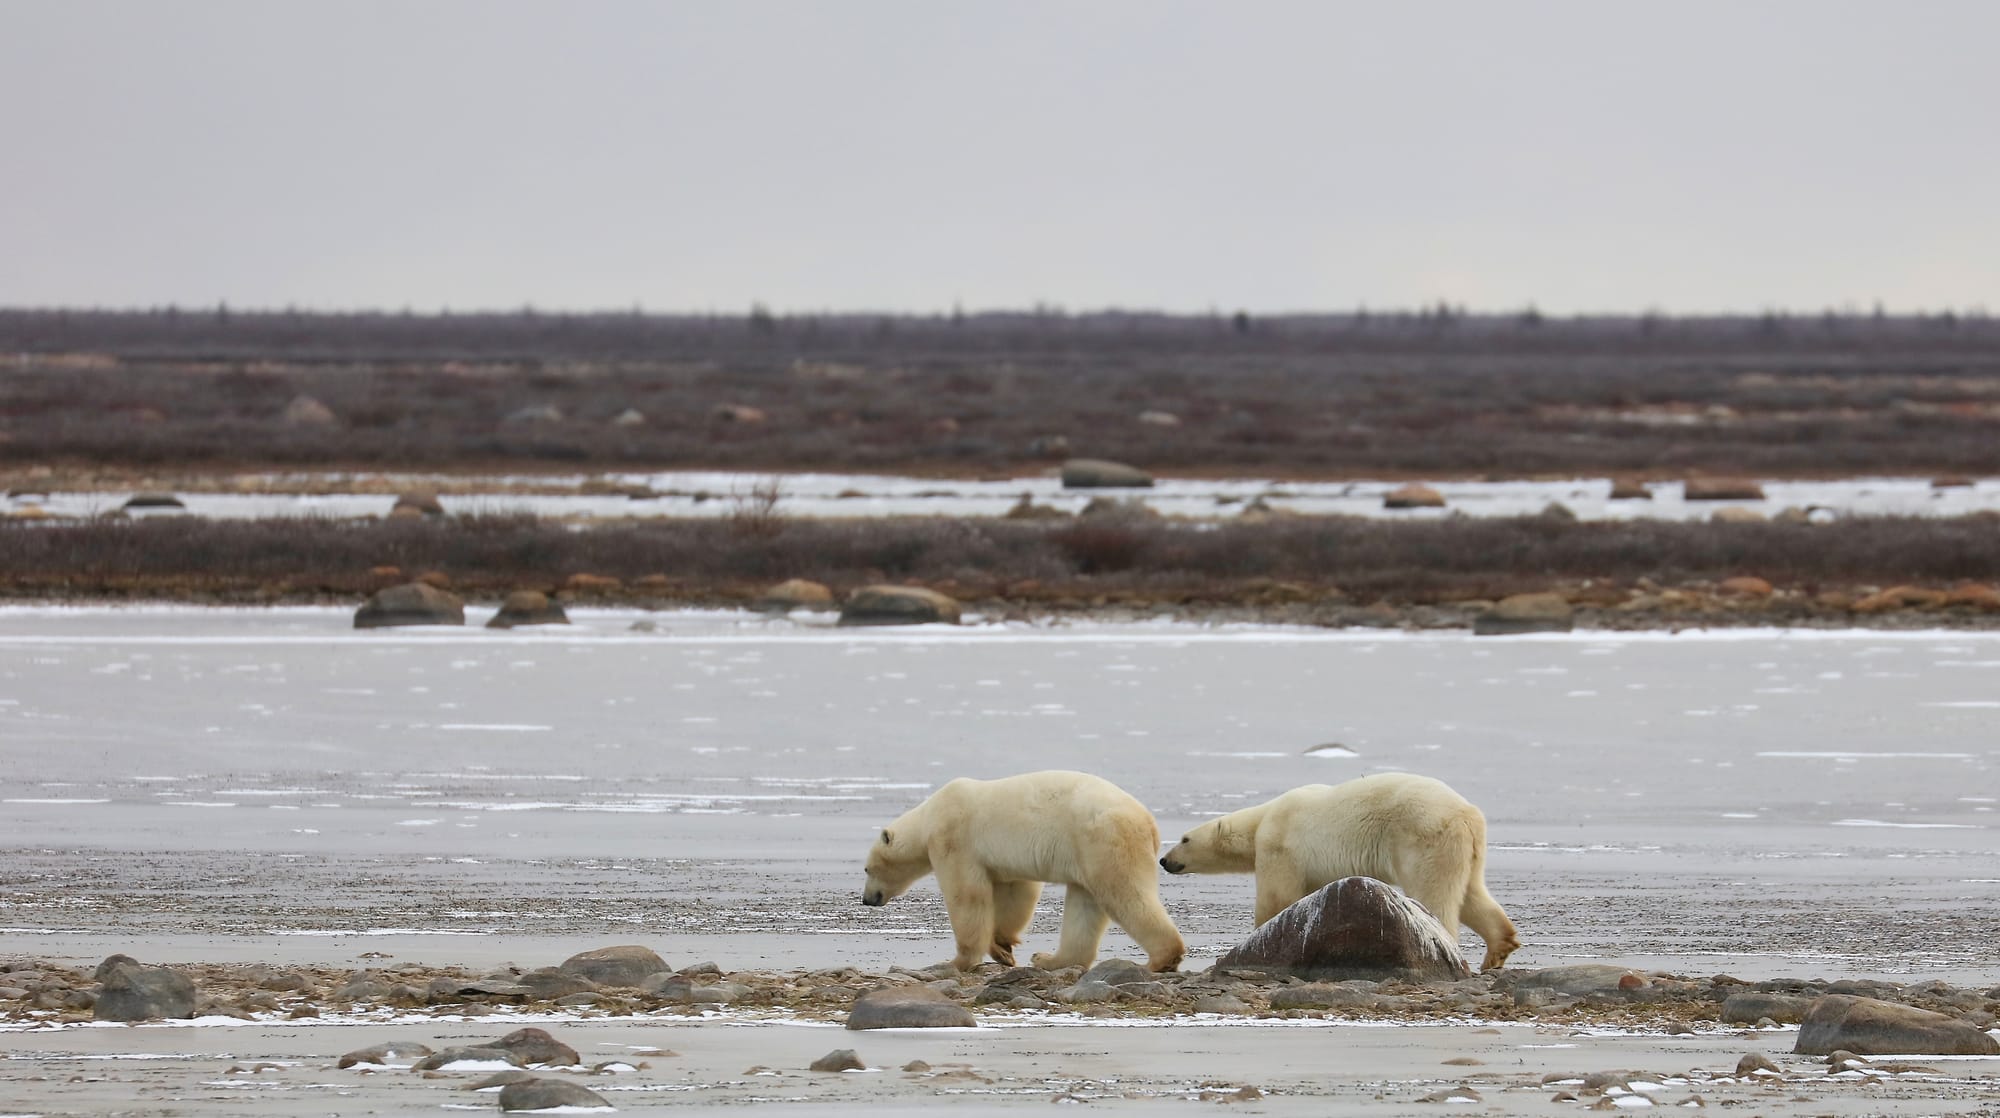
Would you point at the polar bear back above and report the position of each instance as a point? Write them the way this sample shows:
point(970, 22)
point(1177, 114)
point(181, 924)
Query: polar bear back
point(1368, 826)
point(1039, 826)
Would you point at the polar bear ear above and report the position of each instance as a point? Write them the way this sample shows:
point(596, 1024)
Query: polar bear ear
point(888, 839)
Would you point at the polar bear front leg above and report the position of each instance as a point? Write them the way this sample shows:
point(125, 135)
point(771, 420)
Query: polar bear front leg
point(1279, 883)
point(1083, 924)
point(1013, 911)
point(968, 901)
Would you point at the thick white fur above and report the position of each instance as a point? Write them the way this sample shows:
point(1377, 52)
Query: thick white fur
point(992, 843)
point(1411, 831)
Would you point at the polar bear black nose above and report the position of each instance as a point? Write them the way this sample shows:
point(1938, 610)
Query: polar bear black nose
point(872, 900)
point(1169, 865)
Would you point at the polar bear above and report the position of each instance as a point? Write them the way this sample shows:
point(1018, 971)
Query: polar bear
point(992, 843)
point(1410, 831)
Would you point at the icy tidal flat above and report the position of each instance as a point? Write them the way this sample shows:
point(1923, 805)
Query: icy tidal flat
point(1749, 801)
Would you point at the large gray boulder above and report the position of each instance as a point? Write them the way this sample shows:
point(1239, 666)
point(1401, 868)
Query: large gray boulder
point(1525, 613)
point(413, 603)
point(898, 605)
point(1096, 473)
point(132, 991)
point(1868, 1027)
point(1357, 927)
point(625, 965)
point(908, 1007)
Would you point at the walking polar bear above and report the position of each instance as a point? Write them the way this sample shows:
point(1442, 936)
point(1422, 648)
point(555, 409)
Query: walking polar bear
point(1410, 831)
point(992, 843)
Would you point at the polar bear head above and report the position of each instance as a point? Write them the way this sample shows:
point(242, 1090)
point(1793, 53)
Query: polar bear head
point(894, 864)
point(1218, 846)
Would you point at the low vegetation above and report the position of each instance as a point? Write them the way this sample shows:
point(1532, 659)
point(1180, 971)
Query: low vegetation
point(1348, 561)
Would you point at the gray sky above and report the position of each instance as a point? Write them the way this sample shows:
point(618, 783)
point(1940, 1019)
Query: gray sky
point(860, 155)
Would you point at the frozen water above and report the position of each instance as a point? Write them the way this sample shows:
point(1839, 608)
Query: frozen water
point(832, 496)
point(631, 787)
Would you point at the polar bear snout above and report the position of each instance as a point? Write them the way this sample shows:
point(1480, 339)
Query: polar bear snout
point(874, 898)
point(1168, 864)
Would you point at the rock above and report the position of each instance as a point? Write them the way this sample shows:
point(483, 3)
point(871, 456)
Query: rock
point(498, 1080)
point(1878, 1028)
point(1582, 979)
point(528, 607)
point(1225, 1004)
point(535, 414)
point(1027, 509)
point(721, 993)
point(1754, 1062)
point(1952, 481)
point(1973, 595)
point(1118, 972)
point(898, 605)
point(536, 1046)
point(419, 503)
point(740, 414)
point(794, 593)
point(1356, 927)
point(550, 983)
point(1413, 496)
point(1745, 586)
point(132, 991)
point(1096, 473)
point(472, 1057)
point(1721, 489)
point(1557, 511)
point(549, 1094)
point(630, 417)
point(1900, 597)
point(586, 583)
point(1744, 1007)
point(626, 965)
point(908, 1007)
point(1111, 508)
point(395, 1053)
point(1628, 489)
point(413, 603)
point(1460, 1093)
point(153, 501)
point(304, 411)
point(840, 1059)
point(1525, 613)
point(1321, 995)
point(1736, 516)
point(1155, 418)
point(1088, 992)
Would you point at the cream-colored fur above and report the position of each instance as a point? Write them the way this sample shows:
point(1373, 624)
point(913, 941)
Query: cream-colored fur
point(1411, 831)
point(992, 843)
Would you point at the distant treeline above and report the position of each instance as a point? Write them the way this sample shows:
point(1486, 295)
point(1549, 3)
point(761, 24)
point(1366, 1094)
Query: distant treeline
point(1437, 392)
point(219, 332)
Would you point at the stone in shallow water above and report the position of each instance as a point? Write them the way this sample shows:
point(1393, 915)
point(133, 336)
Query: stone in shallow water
point(1357, 927)
point(840, 1059)
point(395, 1053)
point(536, 1046)
point(413, 603)
point(549, 1094)
point(479, 1055)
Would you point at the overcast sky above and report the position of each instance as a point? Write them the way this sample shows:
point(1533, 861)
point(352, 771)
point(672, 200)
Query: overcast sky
point(860, 155)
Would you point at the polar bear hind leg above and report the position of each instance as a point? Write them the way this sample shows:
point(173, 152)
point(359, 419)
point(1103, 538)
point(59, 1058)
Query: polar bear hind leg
point(1013, 911)
point(1083, 924)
